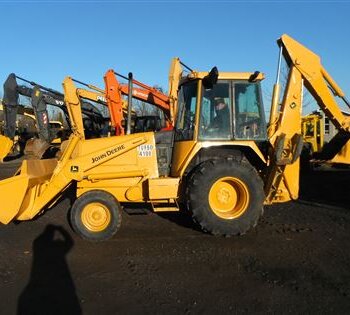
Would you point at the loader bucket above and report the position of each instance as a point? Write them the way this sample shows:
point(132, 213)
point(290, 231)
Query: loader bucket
point(18, 193)
point(5, 147)
point(35, 148)
point(12, 192)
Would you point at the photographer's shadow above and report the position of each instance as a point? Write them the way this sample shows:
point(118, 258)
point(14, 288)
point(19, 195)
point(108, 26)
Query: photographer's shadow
point(50, 289)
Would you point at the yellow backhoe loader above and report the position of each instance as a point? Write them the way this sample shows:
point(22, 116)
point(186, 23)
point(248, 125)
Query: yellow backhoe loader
point(220, 161)
point(312, 128)
point(321, 137)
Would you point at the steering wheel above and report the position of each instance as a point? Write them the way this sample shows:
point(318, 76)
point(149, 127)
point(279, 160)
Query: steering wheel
point(250, 122)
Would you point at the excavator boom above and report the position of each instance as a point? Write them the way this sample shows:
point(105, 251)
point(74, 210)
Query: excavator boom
point(40, 97)
point(145, 93)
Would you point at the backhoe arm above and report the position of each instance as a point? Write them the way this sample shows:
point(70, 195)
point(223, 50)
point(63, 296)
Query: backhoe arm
point(114, 101)
point(305, 70)
point(317, 80)
point(10, 104)
point(39, 101)
point(166, 103)
point(145, 93)
point(150, 95)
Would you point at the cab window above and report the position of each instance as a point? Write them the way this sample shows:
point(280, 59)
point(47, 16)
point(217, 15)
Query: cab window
point(249, 111)
point(185, 121)
point(216, 113)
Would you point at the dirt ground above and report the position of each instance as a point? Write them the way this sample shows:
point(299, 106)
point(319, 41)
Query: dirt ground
point(297, 260)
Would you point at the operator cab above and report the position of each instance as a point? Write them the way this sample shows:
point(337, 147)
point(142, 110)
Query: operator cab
point(229, 109)
point(225, 107)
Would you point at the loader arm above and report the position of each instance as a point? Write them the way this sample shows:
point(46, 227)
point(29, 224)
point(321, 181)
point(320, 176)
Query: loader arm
point(285, 136)
point(72, 99)
point(175, 75)
point(40, 182)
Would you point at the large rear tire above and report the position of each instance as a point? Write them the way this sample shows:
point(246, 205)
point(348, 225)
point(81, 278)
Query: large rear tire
point(225, 196)
point(96, 215)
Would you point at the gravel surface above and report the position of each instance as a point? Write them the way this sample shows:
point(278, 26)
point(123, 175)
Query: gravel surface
point(297, 260)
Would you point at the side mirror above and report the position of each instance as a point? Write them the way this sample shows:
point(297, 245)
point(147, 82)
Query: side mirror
point(253, 77)
point(211, 78)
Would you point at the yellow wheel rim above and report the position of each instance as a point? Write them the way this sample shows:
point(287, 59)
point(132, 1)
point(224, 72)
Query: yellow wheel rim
point(229, 197)
point(95, 217)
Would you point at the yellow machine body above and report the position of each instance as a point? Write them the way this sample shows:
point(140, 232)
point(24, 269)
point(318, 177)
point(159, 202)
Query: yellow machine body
point(123, 176)
point(119, 165)
point(124, 166)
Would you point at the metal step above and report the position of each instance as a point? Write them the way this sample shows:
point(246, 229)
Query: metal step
point(165, 206)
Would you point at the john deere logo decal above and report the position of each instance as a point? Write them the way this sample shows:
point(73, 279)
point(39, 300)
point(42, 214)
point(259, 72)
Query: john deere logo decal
point(74, 168)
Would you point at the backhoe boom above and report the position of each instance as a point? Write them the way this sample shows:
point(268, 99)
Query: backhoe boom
point(285, 136)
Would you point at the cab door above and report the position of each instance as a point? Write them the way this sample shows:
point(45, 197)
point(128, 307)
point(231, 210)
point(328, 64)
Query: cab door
point(185, 131)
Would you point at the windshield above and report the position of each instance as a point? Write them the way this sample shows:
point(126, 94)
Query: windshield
point(232, 110)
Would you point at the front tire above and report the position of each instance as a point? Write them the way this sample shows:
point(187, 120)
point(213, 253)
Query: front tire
point(96, 215)
point(225, 196)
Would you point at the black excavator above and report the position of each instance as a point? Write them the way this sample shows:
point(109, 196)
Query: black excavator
point(41, 97)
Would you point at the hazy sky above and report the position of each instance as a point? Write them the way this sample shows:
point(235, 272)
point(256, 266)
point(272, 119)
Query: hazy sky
point(46, 40)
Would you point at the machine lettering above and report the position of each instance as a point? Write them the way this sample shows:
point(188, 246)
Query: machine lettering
point(108, 153)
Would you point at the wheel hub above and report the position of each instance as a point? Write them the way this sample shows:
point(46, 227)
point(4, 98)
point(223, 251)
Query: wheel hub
point(95, 217)
point(224, 195)
point(228, 197)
